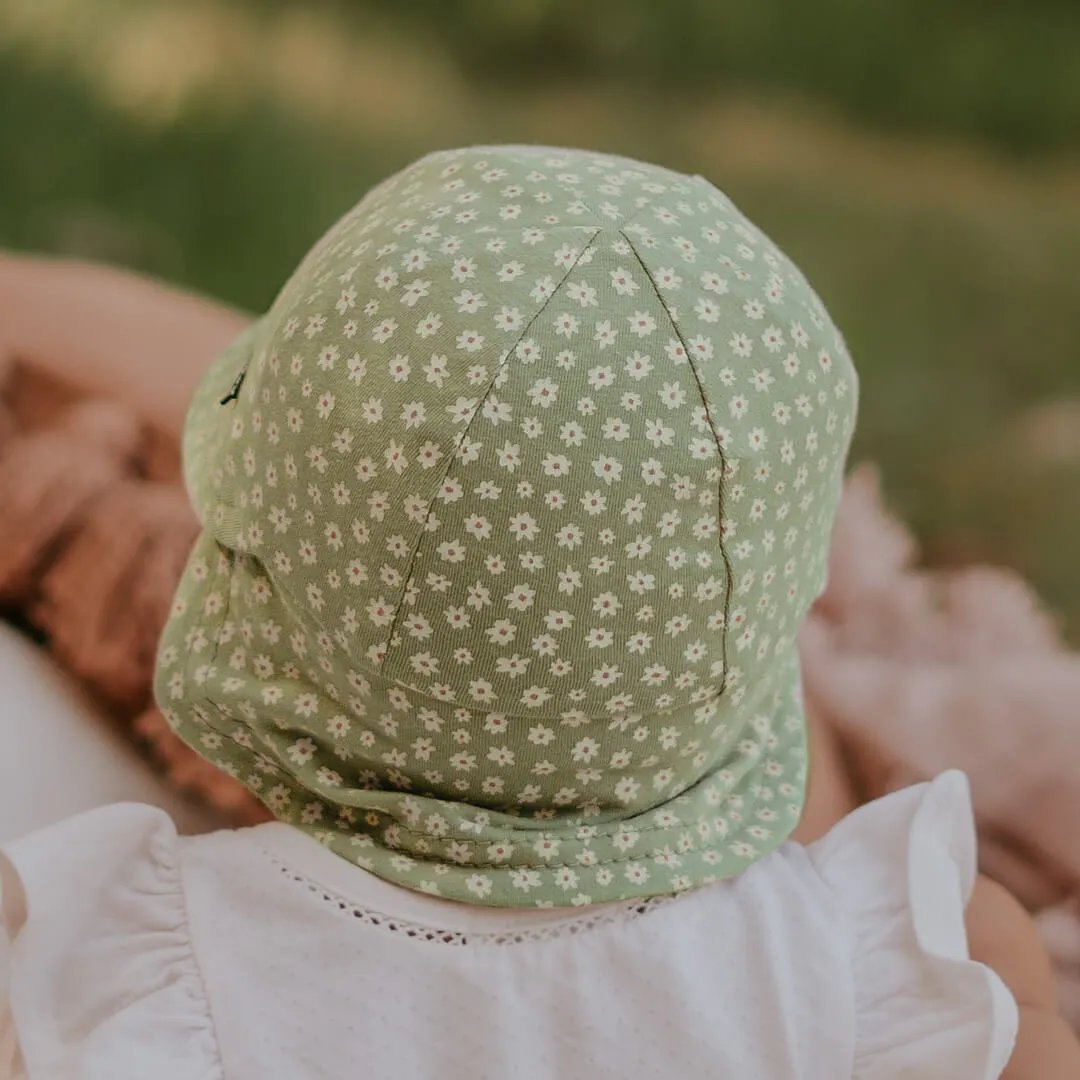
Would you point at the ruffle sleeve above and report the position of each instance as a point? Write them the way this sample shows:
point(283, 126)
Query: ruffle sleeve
point(100, 976)
point(902, 869)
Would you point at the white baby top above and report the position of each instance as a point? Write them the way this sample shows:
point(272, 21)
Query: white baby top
point(258, 955)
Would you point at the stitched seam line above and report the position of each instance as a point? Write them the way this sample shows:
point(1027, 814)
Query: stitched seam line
point(473, 420)
point(729, 572)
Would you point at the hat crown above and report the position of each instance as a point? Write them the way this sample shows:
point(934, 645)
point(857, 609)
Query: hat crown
point(512, 505)
point(567, 434)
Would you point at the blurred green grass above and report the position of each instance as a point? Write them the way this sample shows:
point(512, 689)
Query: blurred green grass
point(952, 271)
point(1007, 71)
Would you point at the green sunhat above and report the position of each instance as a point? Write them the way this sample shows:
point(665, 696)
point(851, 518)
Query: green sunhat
point(512, 506)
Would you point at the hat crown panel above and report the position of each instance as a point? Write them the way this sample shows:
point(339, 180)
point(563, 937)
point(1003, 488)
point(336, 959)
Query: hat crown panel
point(571, 561)
point(379, 444)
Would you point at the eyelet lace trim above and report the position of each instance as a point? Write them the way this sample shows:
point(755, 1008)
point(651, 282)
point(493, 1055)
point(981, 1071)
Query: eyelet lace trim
point(573, 926)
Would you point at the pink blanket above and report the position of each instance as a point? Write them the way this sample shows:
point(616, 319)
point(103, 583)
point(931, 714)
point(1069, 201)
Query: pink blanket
point(920, 671)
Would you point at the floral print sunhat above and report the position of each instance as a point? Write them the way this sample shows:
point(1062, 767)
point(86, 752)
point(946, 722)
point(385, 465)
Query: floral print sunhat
point(512, 506)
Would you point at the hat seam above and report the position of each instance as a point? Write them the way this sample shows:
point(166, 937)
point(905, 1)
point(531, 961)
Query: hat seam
point(303, 617)
point(729, 570)
point(407, 575)
point(533, 828)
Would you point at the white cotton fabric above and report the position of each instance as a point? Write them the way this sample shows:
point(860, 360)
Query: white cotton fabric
point(258, 955)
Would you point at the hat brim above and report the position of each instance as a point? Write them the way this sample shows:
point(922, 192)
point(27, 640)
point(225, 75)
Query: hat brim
point(735, 814)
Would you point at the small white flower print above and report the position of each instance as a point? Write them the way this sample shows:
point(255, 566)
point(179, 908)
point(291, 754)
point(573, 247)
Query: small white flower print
point(302, 751)
point(605, 335)
point(566, 325)
point(615, 428)
point(416, 290)
point(675, 351)
point(525, 879)
point(470, 341)
point(583, 293)
point(707, 311)
point(469, 302)
point(511, 271)
point(700, 347)
point(672, 395)
point(535, 696)
point(509, 456)
point(543, 393)
point(570, 537)
point(555, 465)
point(384, 330)
point(527, 351)
point(741, 345)
point(463, 269)
point(430, 324)
point(607, 469)
point(667, 280)
point(642, 324)
point(566, 879)
point(509, 319)
point(480, 885)
point(569, 581)
point(543, 289)
point(497, 412)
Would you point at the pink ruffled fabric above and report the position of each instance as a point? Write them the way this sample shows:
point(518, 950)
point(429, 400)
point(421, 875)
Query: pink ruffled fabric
point(922, 671)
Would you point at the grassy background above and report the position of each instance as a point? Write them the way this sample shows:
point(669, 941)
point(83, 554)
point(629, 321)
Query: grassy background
point(919, 159)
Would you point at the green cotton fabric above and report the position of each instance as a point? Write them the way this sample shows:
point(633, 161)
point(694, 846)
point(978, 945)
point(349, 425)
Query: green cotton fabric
point(512, 506)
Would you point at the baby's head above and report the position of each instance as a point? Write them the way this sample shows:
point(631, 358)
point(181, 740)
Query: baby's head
point(513, 504)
